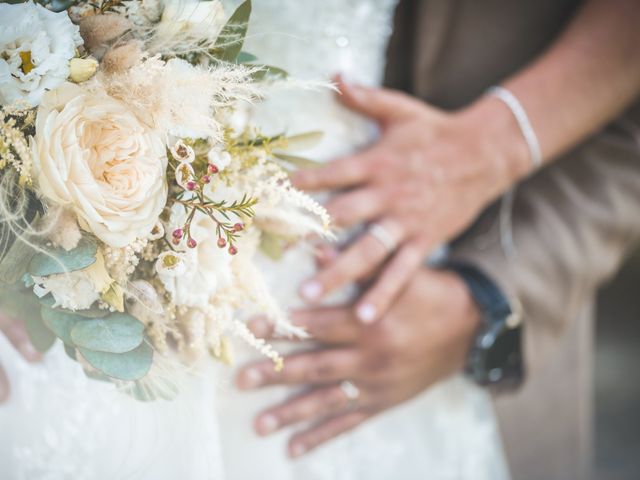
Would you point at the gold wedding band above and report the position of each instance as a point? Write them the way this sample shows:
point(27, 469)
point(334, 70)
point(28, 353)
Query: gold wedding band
point(383, 236)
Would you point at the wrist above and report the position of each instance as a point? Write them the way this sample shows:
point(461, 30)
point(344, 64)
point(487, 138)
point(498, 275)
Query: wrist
point(499, 141)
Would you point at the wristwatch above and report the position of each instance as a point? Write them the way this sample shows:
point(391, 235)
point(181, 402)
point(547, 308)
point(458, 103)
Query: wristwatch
point(495, 356)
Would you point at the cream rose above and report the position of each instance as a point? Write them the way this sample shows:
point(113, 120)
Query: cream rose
point(94, 156)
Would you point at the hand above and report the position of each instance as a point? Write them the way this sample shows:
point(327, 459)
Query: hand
point(423, 339)
point(423, 182)
point(15, 331)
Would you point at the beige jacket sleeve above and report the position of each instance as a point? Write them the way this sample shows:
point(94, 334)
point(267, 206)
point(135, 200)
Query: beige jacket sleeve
point(572, 225)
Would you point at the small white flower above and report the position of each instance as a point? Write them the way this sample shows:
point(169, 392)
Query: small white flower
point(82, 69)
point(184, 174)
point(182, 152)
point(170, 265)
point(36, 46)
point(157, 232)
point(220, 158)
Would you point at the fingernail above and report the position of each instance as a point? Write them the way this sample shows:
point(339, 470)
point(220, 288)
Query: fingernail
point(311, 290)
point(366, 313)
point(251, 379)
point(267, 424)
point(297, 450)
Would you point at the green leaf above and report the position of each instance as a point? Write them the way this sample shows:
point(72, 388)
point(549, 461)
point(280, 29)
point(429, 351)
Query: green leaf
point(304, 141)
point(70, 351)
point(60, 323)
point(15, 262)
point(296, 161)
point(131, 365)
point(41, 337)
point(61, 261)
point(268, 71)
point(93, 312)
point(229, 43)
point(244, 57)
point(271, 246)
point(117, 333)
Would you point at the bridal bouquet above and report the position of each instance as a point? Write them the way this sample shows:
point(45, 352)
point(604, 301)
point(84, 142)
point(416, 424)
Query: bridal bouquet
point(134, 193)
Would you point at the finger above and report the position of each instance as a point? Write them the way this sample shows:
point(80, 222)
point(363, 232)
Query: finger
point(379, 298)
point(342, 173)
point(381, 104)
point(356, 262)
point(325, 255)
point(323, 366)
point(306, 441)
point(329, 325)
point(16, 333)
point(317, 404)
point(4, 385)
point(357, 206)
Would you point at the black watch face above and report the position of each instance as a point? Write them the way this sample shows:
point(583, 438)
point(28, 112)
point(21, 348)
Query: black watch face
point(504, 359)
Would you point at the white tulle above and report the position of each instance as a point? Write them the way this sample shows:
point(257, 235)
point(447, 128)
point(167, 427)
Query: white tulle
point(60, 425)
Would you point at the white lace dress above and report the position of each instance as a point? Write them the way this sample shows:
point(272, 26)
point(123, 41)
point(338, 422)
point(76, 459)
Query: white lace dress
point(449, 432)
point(60, 425)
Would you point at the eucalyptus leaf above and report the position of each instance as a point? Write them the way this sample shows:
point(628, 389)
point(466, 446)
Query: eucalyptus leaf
point(71, 352)
point(59, 260)
point(229, 43)
point(132, 365)
point(244, 57)
point(93, 312)
point(41, 337)
point(60, 323)
point(117, 333)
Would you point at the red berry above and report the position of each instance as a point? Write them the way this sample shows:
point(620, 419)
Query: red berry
point(191, 185)
point(222, 242)
point(191, 243)
point(177, 233)
point(206, 179)
point(175, 241)
point(212, 168)
point(232, 249)
point(238, 227)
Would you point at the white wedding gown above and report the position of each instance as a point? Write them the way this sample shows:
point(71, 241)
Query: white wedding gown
point(60, 425)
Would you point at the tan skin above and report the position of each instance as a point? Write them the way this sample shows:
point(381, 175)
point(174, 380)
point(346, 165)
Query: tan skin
point(431, 171)
point(423, 339)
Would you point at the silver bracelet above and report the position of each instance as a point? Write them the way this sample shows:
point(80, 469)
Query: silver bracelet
point(521, 117)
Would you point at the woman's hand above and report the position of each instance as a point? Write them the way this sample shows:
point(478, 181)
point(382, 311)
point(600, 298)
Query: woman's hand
point(423, 339)
point(16, 333)
point(423, 182)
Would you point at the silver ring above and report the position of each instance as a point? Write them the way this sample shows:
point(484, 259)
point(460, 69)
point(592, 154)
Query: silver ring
point(350, 391)
point(381, 234)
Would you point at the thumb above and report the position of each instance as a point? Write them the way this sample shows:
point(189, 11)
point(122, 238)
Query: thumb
point(380, 104)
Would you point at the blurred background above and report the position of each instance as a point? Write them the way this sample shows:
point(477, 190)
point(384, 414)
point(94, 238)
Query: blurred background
point(617, 383)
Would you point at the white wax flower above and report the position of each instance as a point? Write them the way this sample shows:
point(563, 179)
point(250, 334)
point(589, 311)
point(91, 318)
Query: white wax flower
point(36, 46)
point(207, 267)
point(91, 154)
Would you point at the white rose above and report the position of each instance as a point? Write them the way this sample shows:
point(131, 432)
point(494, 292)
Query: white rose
point(94, 156)
point(36, 45)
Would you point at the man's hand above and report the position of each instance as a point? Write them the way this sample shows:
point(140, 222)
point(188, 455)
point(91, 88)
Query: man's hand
point(424, 338)
point(423, 182)
point(15, 331)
